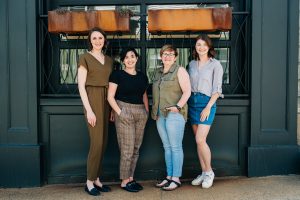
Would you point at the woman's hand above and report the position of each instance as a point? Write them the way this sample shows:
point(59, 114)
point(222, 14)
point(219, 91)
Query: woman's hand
point(112, 116)
point(172, 109)
point(91, 118)
point(205, 114)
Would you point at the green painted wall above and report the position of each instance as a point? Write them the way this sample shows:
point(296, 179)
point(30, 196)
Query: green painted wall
point(274, 148)
point(65, 144)
point(19, 148)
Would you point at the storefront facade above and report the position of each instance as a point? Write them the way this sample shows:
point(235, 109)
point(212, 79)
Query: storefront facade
point(43, 135)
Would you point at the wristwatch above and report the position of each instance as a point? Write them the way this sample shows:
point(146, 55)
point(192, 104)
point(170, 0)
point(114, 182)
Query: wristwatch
point(178, 107)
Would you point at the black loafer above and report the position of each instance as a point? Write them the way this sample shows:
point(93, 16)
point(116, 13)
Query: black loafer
point(104, 188)
point(137, 185)
point(130, 187)
point(93, 191)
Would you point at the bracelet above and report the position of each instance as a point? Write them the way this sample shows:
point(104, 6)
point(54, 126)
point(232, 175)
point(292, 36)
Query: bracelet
point(178, 107)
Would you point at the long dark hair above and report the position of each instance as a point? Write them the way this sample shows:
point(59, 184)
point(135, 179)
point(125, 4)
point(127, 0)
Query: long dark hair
point(96, 29)
point(211, 51)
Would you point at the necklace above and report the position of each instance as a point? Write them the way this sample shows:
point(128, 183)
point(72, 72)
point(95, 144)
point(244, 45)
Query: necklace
point(98, 55)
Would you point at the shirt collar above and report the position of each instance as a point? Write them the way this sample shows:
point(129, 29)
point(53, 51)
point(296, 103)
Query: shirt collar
point(172, 68)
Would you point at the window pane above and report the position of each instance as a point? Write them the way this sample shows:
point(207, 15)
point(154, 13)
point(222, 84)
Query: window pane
point(223, 56)
point(68, 65)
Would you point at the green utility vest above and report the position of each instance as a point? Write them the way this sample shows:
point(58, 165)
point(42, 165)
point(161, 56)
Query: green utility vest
point(166, 92)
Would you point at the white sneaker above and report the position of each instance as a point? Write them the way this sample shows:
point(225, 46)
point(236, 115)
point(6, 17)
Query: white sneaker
point(198, 180)
point(208, 180)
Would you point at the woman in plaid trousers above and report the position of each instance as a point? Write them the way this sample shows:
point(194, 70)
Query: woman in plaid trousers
point(128, 99)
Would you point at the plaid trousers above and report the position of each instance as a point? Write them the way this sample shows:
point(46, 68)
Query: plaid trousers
point(130, 125)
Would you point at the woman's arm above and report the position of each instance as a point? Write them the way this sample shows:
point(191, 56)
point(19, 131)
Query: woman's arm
point(218, 80)
point(206, 111)
point(82, 74)
point(111, 97)
point(146, 102)
point(185, 84)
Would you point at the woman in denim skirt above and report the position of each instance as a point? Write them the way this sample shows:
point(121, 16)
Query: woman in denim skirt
point(206, 74)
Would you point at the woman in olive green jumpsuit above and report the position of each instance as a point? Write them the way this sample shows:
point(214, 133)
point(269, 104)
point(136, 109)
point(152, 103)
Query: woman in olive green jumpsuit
point(94, 69)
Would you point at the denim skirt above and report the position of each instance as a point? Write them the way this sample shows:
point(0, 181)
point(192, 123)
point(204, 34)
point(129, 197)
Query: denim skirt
point(196, 103)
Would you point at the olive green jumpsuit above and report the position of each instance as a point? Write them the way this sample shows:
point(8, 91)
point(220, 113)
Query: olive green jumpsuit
point(96, 87)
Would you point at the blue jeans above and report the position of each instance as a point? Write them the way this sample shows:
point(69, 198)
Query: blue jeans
point(171, 131)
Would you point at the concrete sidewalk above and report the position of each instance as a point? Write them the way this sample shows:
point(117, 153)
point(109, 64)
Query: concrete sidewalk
point(231, 188)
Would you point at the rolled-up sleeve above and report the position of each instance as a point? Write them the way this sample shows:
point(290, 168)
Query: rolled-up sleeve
point(218, 79)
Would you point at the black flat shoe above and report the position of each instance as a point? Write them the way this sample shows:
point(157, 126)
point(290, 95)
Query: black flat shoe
point(130, 187)
point(93, 191)
point(104, 188)
point(137, 185)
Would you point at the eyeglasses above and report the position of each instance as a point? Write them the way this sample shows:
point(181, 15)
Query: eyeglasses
point(168, 54)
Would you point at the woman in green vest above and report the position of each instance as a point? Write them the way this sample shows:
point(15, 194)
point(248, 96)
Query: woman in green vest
point(171, 90)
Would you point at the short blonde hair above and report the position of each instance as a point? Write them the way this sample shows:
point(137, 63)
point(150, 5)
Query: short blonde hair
point(168, 47)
